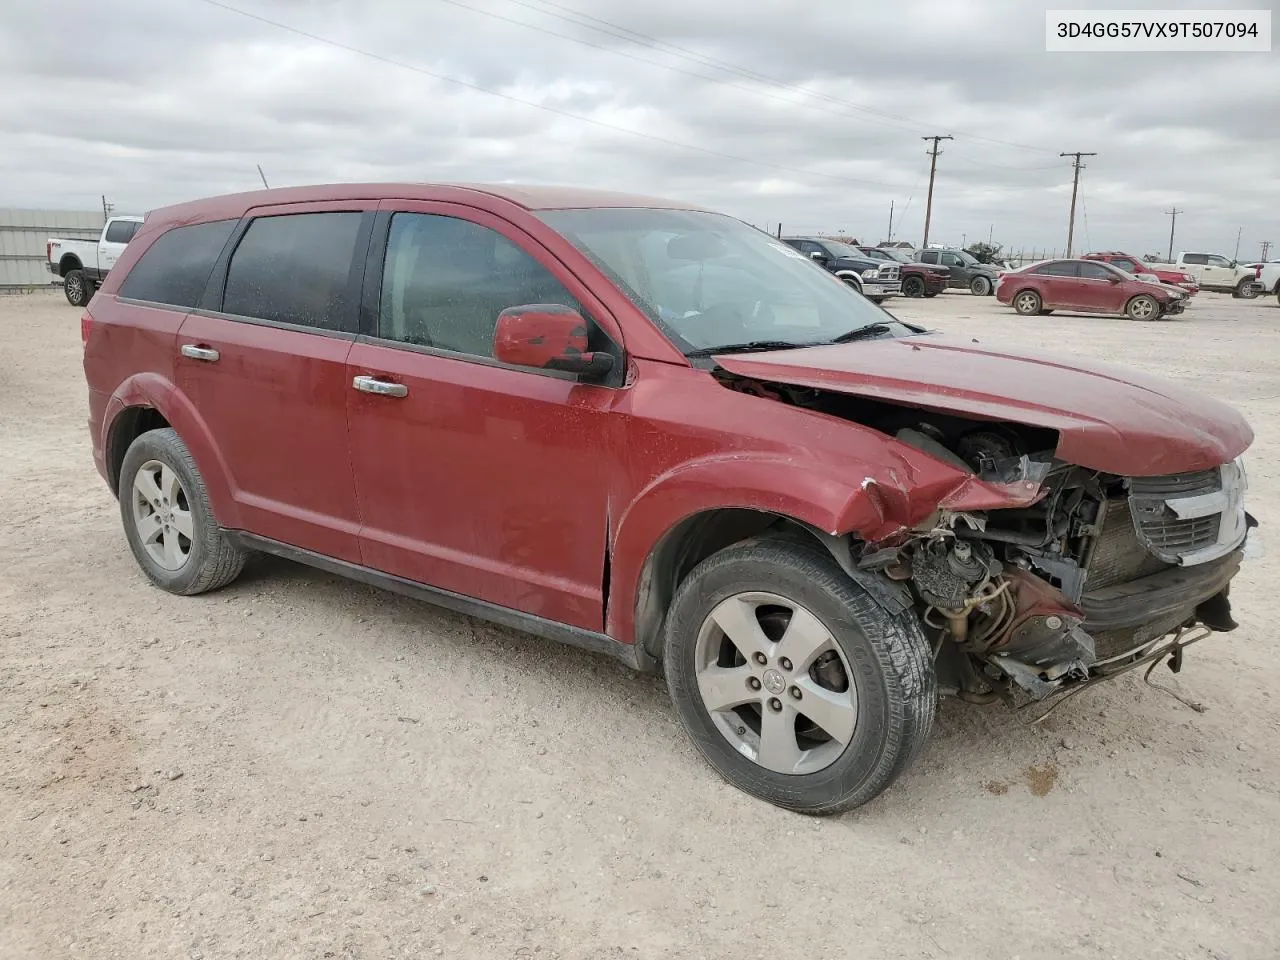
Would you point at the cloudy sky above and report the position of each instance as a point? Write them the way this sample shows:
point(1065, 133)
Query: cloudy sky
point(797, 111)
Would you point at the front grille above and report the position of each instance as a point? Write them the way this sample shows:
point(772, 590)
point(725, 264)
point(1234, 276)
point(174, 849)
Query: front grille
point(889, 272)
point(1177, 485)
point(1181, 536)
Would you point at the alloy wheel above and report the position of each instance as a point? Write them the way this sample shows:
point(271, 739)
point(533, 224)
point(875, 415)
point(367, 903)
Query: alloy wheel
point(1027, 303)
point(775, 683)
point(162, 515)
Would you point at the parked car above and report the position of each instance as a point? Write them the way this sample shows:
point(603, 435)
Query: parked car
point(918, 279)
point(966, 272)
point(1087, 286)
point(1136, 265)
point(875, 279)
point(82, 264)
point(1266, 275)
point(1215, 272)
point(657, 433)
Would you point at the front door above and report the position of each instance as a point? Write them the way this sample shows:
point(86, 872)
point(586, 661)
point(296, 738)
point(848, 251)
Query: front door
point(1098, 288)
point(478, 478)
point(1218, 272)
point(267, 374)
point(955, 266)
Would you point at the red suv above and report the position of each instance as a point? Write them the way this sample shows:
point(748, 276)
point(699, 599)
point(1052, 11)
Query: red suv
point(1087, 286)
point(1135, 266)
point(658, 433)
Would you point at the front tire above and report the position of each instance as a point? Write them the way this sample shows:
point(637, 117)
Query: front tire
point(77, 288)
point(168, 521)
point(1246, 290)
point(792, 681)
point(913, 287)
point(1028, 303)
point(980, 286)
point(1142, 308)
point(854, 284)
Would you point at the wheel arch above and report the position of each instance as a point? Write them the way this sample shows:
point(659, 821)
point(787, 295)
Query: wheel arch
point(147, 402)
point(67, 263)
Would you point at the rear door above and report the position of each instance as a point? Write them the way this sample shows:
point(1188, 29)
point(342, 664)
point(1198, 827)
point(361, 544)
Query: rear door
point(264, 362)
point(1196, 265)
point(1059, 286)
point(482, 479)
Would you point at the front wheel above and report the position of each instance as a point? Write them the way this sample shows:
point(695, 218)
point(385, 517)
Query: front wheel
point(793, 682)
point(168, 521)
point(77, 288)
point(1028, 303)
point(980, 286)
point(1247, 290)
point(852, 284)
point(913, 287)
point(1143, 307)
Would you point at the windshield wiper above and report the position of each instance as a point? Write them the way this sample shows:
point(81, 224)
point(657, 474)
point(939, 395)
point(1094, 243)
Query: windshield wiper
point(749, 347)
point(863, 333)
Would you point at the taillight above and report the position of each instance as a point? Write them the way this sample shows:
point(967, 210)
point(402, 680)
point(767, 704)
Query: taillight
point(86, 327)
point(48, 250)
point(1257, 272)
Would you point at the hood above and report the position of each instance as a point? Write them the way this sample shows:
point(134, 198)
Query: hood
point(1108, 418)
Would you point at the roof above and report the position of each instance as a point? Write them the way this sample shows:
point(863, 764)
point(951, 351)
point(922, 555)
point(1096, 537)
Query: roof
point(528, 197)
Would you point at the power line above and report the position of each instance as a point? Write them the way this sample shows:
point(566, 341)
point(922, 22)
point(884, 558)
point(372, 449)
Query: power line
point(933, 169)
point(1075, 186)
point(538, 106)
point(634, 36)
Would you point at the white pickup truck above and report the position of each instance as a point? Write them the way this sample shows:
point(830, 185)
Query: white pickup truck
point(1215, 272)
point(83, 263)
point(1268, 276)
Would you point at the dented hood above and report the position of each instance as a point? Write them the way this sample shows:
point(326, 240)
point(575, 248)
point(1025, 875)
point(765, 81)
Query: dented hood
point(1108, 418)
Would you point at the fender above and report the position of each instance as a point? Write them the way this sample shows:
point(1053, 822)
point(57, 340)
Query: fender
point(853, 275)
point(770, 483)
point(153, 390)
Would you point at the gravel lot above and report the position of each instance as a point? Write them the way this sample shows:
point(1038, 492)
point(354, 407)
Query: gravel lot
point(300, 766)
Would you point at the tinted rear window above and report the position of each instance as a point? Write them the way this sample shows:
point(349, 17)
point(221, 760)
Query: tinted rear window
point(176, 267)
point(295, 269)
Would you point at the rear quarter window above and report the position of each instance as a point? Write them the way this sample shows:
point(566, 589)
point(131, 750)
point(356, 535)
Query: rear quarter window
point(121, 231)
point(174, 270)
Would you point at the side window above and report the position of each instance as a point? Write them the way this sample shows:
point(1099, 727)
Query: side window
point(951, 260)
point(121, 231)
point(175, 268)
point(1056, 268)
point(1216, 261)
point(446, 280)
point(295, 268)
point(928, 256)
point(1195, 258)
point(1093, 271)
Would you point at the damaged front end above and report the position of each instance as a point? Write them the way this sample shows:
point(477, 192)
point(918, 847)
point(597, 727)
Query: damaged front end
point(1075, 577)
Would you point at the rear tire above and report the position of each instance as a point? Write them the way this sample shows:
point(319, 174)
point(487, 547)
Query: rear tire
point(78, 289)
point(1142, 308)
point(832, 729)
point(1028, 303)
point(168, 521)
point(1246, 290)
point(980, 286)
point(913, 287)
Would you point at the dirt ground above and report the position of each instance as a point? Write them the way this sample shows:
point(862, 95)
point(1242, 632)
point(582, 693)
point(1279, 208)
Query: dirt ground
point(300, 766)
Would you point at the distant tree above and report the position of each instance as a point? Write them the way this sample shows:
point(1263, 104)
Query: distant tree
point(984, 252)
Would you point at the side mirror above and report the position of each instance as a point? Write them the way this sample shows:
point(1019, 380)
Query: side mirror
point(1112, 277)
point(820, 257)
point(548, 336)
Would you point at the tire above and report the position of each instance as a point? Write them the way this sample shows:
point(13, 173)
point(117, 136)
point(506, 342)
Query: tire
point(1142, 308)
point(1027, 303)
point(209, 560)
point(77, 287)
point(933, 293)
point(980, 286)
point(890, 702)
point(1246, 290)
point(877, 300)
point(913, 287)
point(850, 282)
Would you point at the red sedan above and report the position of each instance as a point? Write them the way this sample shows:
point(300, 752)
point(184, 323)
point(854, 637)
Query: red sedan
point(1087, 286)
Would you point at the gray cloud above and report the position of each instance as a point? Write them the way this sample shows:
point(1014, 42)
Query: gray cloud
point(155, 102)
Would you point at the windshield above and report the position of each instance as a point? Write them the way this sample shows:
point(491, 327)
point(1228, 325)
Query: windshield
point(842, 249)
point(710, 281)
point(898, 255)
point(967, 259)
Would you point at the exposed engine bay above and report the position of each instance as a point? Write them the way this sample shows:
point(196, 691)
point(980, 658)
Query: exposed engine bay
point(1099, 574)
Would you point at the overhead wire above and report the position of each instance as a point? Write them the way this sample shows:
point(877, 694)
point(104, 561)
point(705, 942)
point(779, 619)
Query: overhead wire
point(568, 114)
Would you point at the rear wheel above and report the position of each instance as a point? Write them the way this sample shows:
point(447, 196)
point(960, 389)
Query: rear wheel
point(77, 288)
point(1143, 307)
point(913, 286)
point(168, 521)
point(1028, 303)
point(1247, 290)
point(980, 286)
point(793, 682)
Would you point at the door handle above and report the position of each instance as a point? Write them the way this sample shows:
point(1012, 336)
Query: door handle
point(382, 388)
point(206, 354)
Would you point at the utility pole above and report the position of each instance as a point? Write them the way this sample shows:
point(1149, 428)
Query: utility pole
point(263, 176)
point(890, 240)
point(779, 229)
point(933, 169)
point(106, 209)
point(1266, 245)
point(1236, 255)
point(1173, 222)
point(1075, 187)
point(990, 230)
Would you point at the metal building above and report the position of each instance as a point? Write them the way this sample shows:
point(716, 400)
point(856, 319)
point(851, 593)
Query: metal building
point(22, 241)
